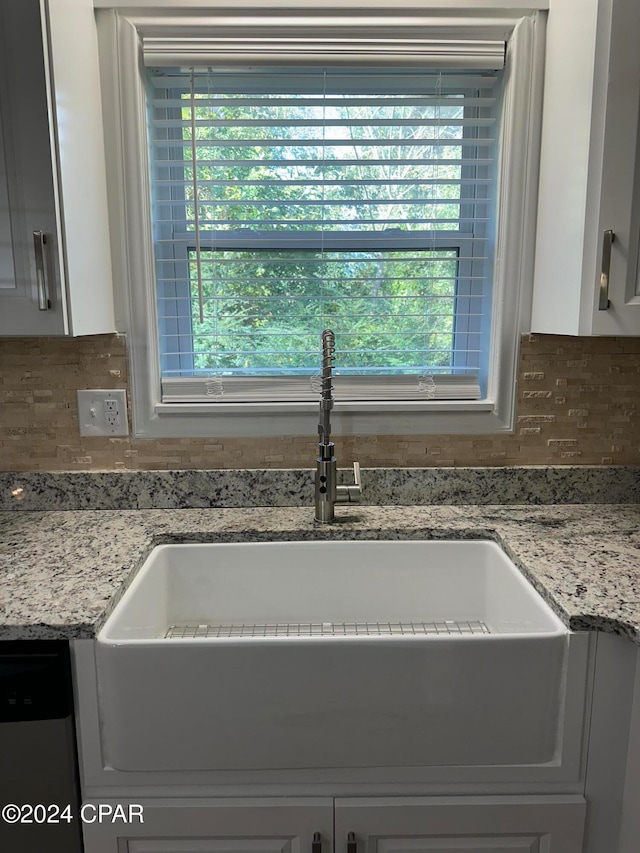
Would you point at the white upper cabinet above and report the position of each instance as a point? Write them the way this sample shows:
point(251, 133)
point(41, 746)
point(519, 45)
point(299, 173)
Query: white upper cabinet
point(586, 271)
point(55, 263)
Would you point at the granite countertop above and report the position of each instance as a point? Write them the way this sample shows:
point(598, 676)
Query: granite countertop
point(61, 572)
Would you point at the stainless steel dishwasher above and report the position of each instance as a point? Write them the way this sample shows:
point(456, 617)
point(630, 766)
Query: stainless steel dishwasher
point(38, 766)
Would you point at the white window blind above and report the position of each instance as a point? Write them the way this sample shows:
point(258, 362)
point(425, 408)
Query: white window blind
point(289, 200)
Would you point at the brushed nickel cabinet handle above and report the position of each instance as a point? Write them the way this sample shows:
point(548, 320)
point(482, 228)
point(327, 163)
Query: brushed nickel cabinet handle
point(39, 242)
point(607, 241)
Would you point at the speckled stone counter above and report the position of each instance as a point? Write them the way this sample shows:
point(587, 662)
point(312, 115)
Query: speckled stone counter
point(62, 572)
point(121, 490)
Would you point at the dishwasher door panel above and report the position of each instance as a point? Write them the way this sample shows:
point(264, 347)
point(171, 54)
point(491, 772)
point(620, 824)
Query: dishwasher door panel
point(38, 764)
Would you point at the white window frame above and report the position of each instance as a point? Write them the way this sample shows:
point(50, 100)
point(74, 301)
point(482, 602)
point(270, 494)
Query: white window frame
point(124, 105)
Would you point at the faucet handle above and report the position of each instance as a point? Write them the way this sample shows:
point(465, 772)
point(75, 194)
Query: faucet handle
point(350, 494)
point(357, 481)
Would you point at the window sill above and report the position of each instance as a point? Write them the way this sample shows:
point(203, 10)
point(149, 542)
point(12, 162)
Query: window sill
point(197, 420)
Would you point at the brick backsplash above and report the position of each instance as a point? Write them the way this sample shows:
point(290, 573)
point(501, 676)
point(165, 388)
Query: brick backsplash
point(578, 404)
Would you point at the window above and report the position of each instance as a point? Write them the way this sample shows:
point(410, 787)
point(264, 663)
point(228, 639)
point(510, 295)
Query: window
point(354, 199)
point(288, 193)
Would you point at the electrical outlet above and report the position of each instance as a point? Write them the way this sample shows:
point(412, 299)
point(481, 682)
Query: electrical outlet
point(103, 412)
point(112, 413)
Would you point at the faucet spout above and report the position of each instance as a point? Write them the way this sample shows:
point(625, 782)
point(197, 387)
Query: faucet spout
point(327, 492)
point(326, 396)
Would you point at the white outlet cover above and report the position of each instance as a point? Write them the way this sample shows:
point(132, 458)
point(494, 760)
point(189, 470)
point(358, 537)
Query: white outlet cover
point(93, 416)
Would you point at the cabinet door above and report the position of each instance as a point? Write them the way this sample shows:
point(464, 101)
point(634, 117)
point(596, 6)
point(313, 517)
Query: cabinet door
point(29, 183)
point(589, 157)
point(54, 165)
point(211, 826)
point(620, 191)
point(460, 825)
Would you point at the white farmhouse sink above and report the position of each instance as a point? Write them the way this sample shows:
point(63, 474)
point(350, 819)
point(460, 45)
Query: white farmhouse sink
point(329, 654)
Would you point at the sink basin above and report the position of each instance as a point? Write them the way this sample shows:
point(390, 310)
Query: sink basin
point(329, 654)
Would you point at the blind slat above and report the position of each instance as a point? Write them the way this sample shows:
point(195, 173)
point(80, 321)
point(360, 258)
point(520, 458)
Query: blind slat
point(374, 182)
point(327, 204)
point(161, 164)
point(335, 83)
point(402, 142)
point(463, 386)
point(259, 299)
point(205, 101)
point(319, 122)
point(226, 223)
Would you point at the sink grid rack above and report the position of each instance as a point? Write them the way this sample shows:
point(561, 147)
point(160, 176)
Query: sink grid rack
point(446, 627)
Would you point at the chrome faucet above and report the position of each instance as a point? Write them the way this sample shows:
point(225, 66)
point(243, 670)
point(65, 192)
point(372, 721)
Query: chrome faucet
point(327, 492)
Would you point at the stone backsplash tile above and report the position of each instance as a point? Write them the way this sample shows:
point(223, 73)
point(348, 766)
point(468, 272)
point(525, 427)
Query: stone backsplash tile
point(578, 404)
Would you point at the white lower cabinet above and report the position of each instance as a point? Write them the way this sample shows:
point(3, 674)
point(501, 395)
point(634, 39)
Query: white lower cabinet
point(460, 825)
point(266, 825)
point(537, 824)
